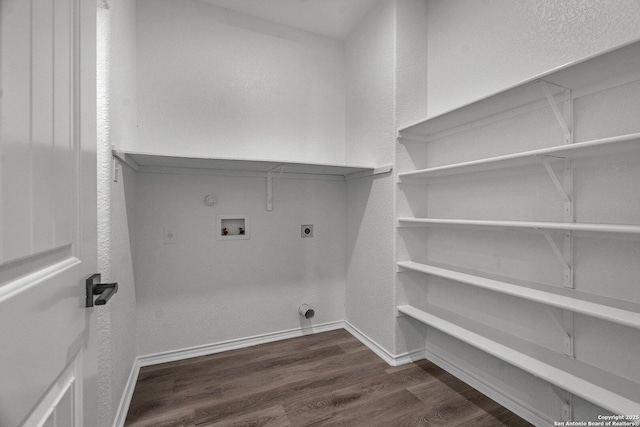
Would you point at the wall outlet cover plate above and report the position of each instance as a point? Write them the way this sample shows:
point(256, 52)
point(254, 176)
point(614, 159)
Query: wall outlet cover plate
point(306, 230)
point(170, 236)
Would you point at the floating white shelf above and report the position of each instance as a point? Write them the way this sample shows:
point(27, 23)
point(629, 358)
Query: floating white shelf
point(521, 225)
point(247, 165)
point(622, 312)
point(599, 71)
point(616, 145)
point(609, 391)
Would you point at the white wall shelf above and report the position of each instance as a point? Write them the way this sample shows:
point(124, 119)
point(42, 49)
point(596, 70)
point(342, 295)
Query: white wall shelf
point(612, 392)
point(521, 225)
point(158, 161)
point(616, 67)
point(616, 145)
point(609, 309)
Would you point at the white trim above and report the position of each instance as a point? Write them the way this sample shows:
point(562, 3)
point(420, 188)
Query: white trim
point(391, 359)
point(514, 405)
point(127, 395)
point(204, 350)
point(409, 357)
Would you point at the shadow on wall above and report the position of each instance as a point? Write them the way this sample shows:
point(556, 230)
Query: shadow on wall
point(128, 184)
point(364, 212)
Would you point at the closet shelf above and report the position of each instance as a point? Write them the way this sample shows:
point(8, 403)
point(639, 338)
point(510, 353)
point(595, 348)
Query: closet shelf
point(609, 391)
point(622, 312)
point(615, 145)
point(520, 225)
point(599, 71)
point(149, 160)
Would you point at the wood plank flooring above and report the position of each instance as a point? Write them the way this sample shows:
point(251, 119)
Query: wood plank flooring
point(327, 379)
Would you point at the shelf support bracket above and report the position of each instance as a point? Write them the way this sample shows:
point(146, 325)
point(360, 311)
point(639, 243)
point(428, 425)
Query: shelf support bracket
point(565, 117)
point(116, 168)
point(270, 186)
point(269, 191)
point(122, 156)
point(566, 331)
point(564, 189)
point(563, 256)
point(556, 181)
point(567, 413)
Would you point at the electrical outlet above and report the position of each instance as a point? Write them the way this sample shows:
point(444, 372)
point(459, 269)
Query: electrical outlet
point(306, 230)
point(170, 236)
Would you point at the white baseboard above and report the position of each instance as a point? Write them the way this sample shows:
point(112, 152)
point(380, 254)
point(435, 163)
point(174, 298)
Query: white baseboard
point(127, 395)
point(204, 350)
point(519, 408)
point(391, 359)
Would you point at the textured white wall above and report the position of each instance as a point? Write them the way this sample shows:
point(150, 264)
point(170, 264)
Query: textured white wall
point(480, 47)
point(411, 61)
point(202, 291)
point(213, 82)
point(116, 121)
point(370, 118)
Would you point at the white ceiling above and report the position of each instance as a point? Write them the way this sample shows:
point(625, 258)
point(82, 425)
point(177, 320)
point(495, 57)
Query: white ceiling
point(333, 18)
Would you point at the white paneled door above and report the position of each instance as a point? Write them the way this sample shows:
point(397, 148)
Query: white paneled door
point(47, 210)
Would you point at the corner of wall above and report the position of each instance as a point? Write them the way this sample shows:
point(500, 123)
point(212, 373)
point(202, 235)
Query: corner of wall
point(116, 122)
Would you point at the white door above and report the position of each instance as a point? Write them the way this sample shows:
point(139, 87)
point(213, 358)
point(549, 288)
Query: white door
point(47, 209)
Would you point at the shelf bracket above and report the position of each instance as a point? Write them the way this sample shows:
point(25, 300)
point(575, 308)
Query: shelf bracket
point(564, 189)
point(565, 117)
point(270, 186)
point(566, 331)
point(564, 256)
point(116, 169)
point(269, 191)
point(567, 413)
point(556, 181)
point(564, 186)
point(122, 156)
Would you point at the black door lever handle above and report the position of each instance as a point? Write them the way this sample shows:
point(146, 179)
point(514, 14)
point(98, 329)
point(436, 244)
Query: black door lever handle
point(104, 290)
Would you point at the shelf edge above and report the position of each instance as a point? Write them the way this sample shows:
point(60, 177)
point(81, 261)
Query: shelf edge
point(531, 225)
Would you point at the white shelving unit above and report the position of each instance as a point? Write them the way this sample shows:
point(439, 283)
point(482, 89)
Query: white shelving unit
point(614, 393)
point(556, 90)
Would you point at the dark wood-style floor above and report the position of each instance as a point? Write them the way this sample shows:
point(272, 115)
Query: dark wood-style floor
point(327, 379)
